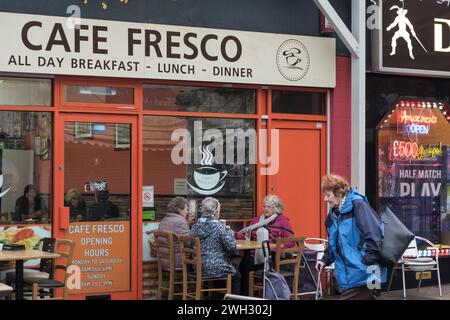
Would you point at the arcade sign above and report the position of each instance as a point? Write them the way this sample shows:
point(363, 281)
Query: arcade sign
point(414, 38)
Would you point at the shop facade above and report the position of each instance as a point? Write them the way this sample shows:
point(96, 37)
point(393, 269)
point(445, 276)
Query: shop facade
point(135, 113)
point(408, 94)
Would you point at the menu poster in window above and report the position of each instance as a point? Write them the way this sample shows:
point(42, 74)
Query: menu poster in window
point(416, 190)
point(180, 186)
point(147, 234)
point(30, 119)
point(29, 236)
point(45, 133)
point(122, 137)
point(102, 253)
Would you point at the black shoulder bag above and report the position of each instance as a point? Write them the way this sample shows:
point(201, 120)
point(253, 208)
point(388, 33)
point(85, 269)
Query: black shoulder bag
point(396, 239)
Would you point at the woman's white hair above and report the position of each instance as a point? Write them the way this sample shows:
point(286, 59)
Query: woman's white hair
point(210, 206)
point(276, 201)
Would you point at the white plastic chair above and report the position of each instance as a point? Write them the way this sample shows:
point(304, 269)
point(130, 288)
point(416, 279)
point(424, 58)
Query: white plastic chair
point(5, 290)
point(319, 245)
point(411, 261)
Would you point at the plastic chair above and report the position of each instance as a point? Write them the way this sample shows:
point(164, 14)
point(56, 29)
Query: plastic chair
point(294, 255)
point(239, 297)
point(191, 259)
point(165, 252)
point(39, 284)
point(411, 261)
point(5, 290)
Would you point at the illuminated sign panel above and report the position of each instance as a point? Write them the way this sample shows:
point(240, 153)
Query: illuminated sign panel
point(413, 173)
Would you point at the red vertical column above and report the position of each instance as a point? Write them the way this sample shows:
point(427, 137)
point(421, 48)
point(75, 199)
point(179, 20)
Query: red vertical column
point(340, 120)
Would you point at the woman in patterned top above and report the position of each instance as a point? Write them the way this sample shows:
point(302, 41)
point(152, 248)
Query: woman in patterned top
point(217, 243)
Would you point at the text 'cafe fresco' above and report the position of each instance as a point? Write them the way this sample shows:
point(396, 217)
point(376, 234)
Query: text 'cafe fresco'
point(90, 139)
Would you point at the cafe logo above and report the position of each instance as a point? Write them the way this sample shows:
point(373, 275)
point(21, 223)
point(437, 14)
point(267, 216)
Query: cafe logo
point(208, 179)
point(293, 60)
point(2, 194)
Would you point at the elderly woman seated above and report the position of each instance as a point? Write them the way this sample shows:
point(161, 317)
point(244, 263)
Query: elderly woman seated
point(270, 225)
point(175, 222)
point(218, 245)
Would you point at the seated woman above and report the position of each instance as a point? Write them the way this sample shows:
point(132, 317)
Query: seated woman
point(29, 206)
point(102, 208)
point(175, 222)
point(270, 225)
point(76, 204)
point(218, 244)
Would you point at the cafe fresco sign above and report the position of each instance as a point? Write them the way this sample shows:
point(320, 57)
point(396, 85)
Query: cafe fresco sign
point(48, 45)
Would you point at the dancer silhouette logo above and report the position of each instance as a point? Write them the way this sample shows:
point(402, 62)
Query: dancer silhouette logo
point(405, 29)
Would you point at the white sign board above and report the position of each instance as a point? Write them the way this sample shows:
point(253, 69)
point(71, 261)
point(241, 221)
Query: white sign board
point(51, 45)
point(148, 196)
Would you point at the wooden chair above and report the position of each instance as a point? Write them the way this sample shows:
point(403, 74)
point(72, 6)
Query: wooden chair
point(66, 249)
point(165, 252)
point(293, 255)
point(191, 259)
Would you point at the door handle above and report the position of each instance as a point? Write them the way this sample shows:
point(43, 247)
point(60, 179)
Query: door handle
point(64, 217)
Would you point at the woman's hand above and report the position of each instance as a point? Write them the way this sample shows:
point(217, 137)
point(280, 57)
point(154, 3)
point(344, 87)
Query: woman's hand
point(320, 265)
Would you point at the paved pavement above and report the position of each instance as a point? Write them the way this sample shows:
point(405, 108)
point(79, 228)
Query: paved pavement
point(425, 293)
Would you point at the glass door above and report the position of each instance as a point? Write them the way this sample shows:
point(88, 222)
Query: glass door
point(98, 208)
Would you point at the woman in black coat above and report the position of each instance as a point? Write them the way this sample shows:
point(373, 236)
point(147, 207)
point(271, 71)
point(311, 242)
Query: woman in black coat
point(29, 205)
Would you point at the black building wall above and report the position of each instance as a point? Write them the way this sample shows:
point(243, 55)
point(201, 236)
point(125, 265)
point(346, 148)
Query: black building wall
point(298, 17)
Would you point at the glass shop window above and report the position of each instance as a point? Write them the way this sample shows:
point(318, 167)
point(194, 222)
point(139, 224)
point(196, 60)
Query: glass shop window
point(26, 177)
point(25, 92)
point(294, 102)
point(220, 165)
point(413, 167)
point(199, 99)
point(98, 94)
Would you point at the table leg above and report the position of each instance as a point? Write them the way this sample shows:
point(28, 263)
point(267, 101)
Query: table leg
point(19, 279)
point(244, 269)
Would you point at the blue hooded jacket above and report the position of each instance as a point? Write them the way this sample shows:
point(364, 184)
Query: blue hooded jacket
point(355, 235)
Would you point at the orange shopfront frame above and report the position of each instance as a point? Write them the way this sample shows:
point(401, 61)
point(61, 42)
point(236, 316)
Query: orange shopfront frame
point(307, 211)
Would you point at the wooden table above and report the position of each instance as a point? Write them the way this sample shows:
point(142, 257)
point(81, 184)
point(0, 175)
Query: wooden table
point(247, 245)
point(19, 257)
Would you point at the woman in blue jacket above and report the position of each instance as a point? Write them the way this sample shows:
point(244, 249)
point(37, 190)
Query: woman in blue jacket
point(355, 235)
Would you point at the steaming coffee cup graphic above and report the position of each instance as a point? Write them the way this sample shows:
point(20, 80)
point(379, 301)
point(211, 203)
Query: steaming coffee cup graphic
point(208, 178)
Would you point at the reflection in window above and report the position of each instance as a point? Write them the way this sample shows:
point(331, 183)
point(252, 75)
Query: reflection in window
point(97, 175)
point(26, 166)
point(96, 94)
point(25, 92)
point(295, 102)
point(199, 99)
point(218, 171)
